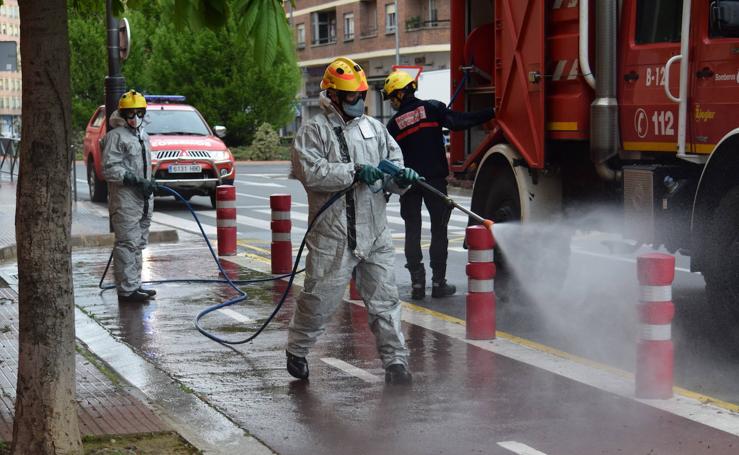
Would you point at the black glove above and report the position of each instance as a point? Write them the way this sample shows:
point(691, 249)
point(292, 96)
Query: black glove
point(129, 179)
point(147, 187)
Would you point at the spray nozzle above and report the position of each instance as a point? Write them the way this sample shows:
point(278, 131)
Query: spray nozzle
point(388, 167)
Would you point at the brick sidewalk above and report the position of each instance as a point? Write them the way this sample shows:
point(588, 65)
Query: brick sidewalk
point(104, 407)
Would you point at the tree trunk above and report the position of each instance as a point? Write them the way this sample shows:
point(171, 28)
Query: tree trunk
point(45, 406)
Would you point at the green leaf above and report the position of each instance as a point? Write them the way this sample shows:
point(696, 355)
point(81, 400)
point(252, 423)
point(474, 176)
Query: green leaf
point(181, 13)
point(285, 38)
point(214, 13)
point(270, 37)
point(247, 16)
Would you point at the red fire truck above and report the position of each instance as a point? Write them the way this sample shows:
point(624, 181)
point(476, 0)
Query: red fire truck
point(628, 101)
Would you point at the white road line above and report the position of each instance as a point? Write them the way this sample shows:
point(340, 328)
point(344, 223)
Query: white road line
point(300, 216)
point(264, 176)
point(262, 198)
point(183, 224)
point(256, 222)
point(519, 448)
point(272, 185)
point(351, 370)
point(238, 316)
point(617, 258)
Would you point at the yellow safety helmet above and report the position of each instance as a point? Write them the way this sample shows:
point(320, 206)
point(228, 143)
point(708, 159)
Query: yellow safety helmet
point(397, 80)
point(132, 100)
point(346, 75)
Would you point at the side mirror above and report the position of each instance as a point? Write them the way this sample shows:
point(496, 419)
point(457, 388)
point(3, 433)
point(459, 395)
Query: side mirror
point(725, 17)
point(220, 131)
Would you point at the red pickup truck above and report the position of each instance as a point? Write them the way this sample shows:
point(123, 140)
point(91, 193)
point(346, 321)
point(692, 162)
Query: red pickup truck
point(186, 154)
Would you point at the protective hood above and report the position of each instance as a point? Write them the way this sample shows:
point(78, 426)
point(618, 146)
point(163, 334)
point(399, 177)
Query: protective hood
point(329, 108)
point(116, 120)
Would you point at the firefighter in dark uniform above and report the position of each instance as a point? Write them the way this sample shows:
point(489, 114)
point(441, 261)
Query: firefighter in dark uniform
point(417, 128)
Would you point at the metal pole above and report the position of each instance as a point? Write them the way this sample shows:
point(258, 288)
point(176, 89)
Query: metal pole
point(115, 84)
point(397, 34)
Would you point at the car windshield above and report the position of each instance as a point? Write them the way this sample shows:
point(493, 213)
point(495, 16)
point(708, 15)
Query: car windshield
point(159, 121)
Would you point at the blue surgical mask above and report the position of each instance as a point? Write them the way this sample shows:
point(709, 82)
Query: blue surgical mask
point(353, 110)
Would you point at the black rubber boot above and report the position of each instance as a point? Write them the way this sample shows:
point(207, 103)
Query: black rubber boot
point(418, 282)
point(442, 289)
point(398, 374)
point(134, 297)
point(149, 292)
point(297, 366)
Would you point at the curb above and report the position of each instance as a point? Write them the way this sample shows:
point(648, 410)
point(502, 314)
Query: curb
point(10, 252)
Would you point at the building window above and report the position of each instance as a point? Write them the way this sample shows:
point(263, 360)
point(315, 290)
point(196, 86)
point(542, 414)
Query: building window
point(349, 26)
point(323, 26)
point(391, 20)
point(433, 13)
point(301, 36)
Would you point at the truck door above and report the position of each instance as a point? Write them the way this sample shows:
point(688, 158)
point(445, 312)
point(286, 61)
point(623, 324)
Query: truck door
point(714, 77)
point(519, 75)
point(649, 36)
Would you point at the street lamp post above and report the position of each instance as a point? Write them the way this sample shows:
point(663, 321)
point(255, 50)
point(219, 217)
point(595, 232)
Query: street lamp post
point(115, 84)
point(397, 34)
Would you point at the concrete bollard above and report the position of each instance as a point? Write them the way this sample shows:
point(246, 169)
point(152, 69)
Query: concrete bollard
point(655, 351)
point(226, 219)
point(282, 247)
point(480, 291)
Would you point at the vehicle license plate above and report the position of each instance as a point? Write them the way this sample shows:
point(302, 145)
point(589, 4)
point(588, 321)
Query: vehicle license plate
point(184, 168)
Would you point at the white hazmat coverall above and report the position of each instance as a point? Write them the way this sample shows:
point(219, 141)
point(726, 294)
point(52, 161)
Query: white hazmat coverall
point(333, 252)
point(130, 213)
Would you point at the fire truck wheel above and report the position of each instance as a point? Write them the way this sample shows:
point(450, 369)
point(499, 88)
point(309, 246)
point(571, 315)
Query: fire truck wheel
point(502, 205)
point(98, 189)
point(722, 249)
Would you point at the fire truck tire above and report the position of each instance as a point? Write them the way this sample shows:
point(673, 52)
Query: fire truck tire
point(722, 250)
point(98, 188)
point(503, 205)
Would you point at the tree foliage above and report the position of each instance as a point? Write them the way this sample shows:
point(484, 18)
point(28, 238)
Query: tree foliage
point(266, 142)
point(220, 71)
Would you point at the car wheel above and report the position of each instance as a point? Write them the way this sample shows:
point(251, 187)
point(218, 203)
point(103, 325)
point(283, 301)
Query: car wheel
point(722, 247)
point(213, 199)
point(98, 189)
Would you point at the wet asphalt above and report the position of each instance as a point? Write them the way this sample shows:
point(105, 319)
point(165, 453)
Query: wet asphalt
point(464, 399)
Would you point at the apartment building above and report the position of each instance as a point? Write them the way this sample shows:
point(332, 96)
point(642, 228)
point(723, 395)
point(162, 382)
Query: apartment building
point(365, 31)
point(10, 81)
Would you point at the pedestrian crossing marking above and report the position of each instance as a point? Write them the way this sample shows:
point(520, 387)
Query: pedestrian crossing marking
point(351, 370)
point(237, 316)
point(520, 448)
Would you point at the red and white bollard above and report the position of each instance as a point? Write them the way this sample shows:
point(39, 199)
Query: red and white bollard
point(655, 351)
point(282, 247)
point(480, 291)
point(226, 219)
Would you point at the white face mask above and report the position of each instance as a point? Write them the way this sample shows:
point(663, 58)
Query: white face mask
point(135, 122)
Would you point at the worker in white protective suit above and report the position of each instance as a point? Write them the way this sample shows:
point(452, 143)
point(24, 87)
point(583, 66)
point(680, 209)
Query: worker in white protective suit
point(127, 169)
point(338, 148)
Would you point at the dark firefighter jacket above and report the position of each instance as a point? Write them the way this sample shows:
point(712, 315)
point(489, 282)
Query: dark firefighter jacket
point(416, 127)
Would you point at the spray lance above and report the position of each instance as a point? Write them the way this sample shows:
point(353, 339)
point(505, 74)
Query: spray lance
point(392, 169)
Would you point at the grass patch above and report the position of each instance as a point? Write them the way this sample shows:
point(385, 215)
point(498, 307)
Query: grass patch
point(185, 388)
point(97, 363)
point(142, 444)
point(138, 444)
